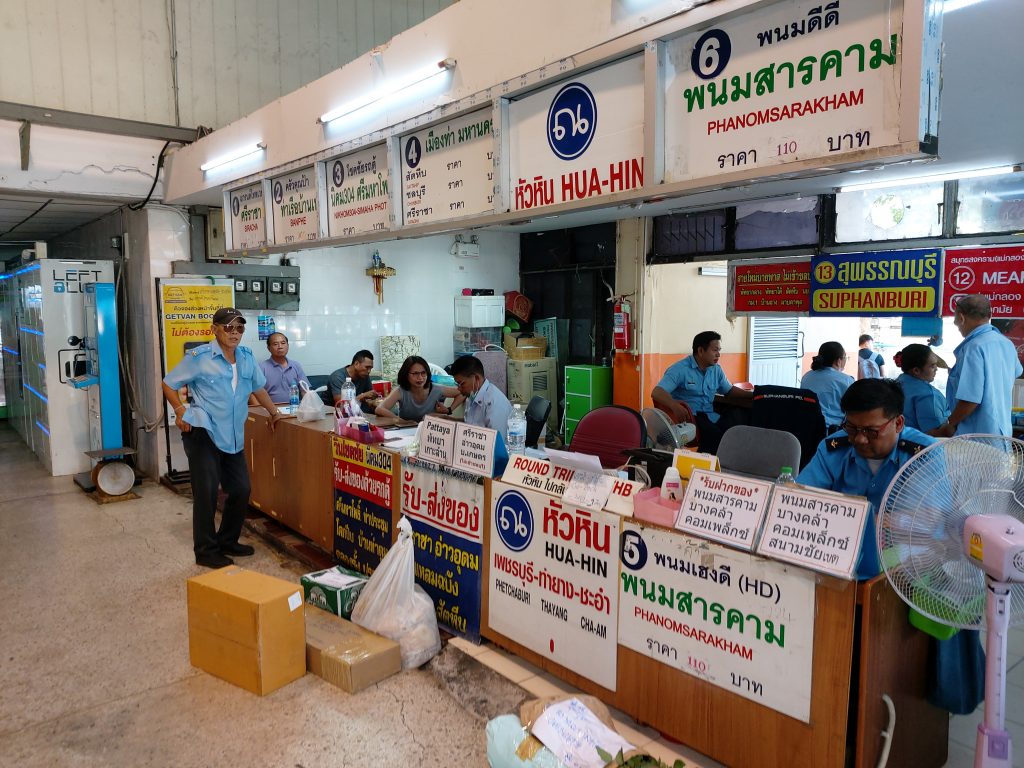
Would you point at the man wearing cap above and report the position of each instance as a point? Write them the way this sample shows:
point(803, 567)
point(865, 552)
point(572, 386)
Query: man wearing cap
point(979, 390)
point(220, 377)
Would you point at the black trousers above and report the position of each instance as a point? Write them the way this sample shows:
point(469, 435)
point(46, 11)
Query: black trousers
point(710, 433)
point(211, 467)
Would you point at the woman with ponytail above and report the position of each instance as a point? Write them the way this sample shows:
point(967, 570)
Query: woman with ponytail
point(827, 380)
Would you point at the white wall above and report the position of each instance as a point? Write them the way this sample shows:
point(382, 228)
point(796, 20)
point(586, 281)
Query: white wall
point(113, 57)
point(339, 313)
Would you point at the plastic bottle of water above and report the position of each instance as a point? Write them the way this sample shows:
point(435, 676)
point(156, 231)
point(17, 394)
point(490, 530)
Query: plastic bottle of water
point(517, 430)
point(785, 477)
point(348, 396)
point(293, 396)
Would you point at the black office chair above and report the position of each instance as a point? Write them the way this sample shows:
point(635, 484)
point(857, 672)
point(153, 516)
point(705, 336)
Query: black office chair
point(536, 414)
point(792, 410)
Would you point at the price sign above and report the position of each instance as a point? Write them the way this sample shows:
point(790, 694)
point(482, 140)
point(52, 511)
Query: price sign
point(357, 193)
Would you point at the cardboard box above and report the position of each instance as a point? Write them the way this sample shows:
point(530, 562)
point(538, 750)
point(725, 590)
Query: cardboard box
point(334, 590)
point(246, 628)
point(346, 655)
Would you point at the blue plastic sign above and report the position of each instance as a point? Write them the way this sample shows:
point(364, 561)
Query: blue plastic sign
point(879, 284)
point(514, 520)
point(572, 121)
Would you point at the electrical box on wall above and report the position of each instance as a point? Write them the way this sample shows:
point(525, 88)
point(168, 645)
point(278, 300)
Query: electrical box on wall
point(257, 286)
point(250, 293)
point(215, 244)
point(283, 293)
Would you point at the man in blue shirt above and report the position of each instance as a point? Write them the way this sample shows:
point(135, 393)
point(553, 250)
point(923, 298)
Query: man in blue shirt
point(220, 377)
point(864, 461)
point(279, 371)
point(486, 405)
point(979, 391)
point(695, 380)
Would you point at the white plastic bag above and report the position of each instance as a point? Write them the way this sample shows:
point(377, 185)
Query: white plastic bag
point(391, 604)
point(311, 408)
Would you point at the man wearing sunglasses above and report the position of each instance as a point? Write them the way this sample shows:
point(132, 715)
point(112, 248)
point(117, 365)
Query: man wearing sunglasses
point(864, 460)
point(220, 377)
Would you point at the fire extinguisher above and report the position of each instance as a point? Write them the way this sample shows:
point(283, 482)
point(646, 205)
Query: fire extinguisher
point(621, 324)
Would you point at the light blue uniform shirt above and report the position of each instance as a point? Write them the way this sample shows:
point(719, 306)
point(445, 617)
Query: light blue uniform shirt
point(829, 385)
point(489, 408)
point(837, 467)
point(924, 407)
point(216, 408)
point(685, 381)
point(986, 365)
point(280, 380)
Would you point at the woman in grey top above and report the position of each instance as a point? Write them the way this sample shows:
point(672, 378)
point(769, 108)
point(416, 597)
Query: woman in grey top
point(416, 394)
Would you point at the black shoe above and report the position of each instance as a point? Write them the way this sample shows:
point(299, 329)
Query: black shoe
point(214, 560)
point(238, 550)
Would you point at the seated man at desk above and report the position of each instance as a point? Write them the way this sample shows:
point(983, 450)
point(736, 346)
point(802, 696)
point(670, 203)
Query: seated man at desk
point(695, 380)
point(486, 405)
point(279, 371)
point(359, 371)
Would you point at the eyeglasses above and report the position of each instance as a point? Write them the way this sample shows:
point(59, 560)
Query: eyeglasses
point(418, 373)
point(235, 328)
point(871, 433)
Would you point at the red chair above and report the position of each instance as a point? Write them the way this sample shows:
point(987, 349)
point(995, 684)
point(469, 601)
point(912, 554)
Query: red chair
point(744, 385)
point(608, 432)
point(689, 418)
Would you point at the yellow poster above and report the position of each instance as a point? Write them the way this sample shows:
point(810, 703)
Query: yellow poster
point(187, 314)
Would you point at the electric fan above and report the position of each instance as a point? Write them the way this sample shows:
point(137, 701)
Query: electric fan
point(663, 434)
point(951, 538)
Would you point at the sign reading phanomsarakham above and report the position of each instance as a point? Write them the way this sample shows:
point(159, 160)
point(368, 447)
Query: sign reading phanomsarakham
point(810, 82)
point(878, 284)
point(732, 619)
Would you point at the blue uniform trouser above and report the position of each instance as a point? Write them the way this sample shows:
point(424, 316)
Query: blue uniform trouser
point(211, 467)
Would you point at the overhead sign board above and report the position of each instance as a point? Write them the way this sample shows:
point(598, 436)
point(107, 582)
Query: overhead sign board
point(768, 288)
point(994, 272)
point(878, 284)
point(801, 81)
point(448, 170)
point(580, 139)
point(357, 192)
point(294, 203)
point(248, 217)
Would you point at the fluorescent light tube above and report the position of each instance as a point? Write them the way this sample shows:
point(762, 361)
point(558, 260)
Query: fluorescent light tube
point(414, 78)
point(999, 171)
point(237, 154)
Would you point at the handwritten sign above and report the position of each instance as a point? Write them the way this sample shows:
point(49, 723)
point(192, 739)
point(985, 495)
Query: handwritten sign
point(295, 208)
point(816, 529)
point(541, 475)
point(734, 620)
point(357, 192)
point(574, 733)
point(362, 503)
point(724, 508)
point(446, 513)
point(552, 583)
point(248, 217)
point(437, 441)
point(474, 449)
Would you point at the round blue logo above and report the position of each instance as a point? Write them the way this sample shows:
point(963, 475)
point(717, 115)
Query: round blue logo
point(514, 519)
point(572, 121)
point(338, 173)
point(413, 152)
point(278, 192)
point(235, 206)
point(633, 550)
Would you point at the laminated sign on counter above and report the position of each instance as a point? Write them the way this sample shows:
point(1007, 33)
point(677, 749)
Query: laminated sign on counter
point(363, 521)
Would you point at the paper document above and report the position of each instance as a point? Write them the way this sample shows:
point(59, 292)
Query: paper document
point(574, 733)
point(337, 579)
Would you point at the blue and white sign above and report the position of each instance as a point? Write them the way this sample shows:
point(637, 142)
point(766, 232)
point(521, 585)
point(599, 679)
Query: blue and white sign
point(514, 520)
point(578, 140)
point(248, 217)
point(878, 284)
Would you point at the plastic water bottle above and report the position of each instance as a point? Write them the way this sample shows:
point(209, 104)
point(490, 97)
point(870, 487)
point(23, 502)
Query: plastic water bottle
point(785, 477)
point(517, 430)
point(293, 396)
point(348, 396)
point(672, 485)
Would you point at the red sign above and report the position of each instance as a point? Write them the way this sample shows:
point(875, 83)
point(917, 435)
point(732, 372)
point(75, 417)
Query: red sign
point(995, 272)
point(760, 288)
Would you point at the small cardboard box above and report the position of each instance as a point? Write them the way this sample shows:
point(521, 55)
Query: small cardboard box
point(246, 628)
point(346, 655)
point(334, 590)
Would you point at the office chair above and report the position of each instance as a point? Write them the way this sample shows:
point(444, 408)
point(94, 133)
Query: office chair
point(758, 451)
point(536, 415)
point(608, 432)
point(792, 410)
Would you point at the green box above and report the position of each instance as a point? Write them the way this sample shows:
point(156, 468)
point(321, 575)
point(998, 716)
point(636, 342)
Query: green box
point(334, 590)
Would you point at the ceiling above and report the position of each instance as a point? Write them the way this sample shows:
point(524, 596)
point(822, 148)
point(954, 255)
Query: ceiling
point(25, 218)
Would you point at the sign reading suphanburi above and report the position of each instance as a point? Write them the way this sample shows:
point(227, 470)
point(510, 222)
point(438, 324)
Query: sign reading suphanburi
point(294, 203)
point(878, 284)
point(578, 140)
point(796, 81)
point(357, 192)
point(732, 619)
point(248, 217)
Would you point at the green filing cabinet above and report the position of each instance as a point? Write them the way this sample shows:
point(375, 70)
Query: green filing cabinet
point(586, 387)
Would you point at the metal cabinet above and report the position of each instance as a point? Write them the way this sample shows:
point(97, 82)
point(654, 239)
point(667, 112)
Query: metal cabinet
point(586, 387)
